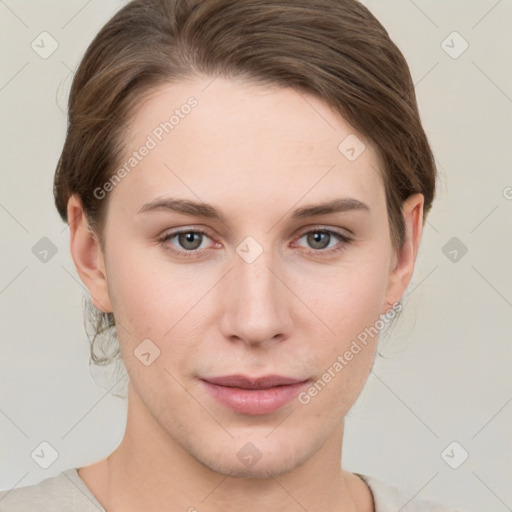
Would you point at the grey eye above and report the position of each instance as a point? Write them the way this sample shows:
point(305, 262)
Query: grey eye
point(189, 240)
point(318, 239)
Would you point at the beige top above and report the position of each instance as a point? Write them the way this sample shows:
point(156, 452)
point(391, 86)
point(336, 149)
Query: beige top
point(67, 492)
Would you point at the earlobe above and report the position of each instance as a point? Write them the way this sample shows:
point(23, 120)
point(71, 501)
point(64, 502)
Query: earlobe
point(405, 259)
point(87, 255)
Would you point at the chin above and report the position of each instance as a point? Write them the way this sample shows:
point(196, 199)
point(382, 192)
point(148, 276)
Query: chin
point(259, 459)
point(265, 468)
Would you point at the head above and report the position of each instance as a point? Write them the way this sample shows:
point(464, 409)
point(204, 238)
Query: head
point(177, 102)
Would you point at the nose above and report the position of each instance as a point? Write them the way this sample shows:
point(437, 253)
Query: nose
point(256, 302)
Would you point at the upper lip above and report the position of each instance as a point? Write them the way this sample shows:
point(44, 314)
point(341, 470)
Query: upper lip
point(241, 381)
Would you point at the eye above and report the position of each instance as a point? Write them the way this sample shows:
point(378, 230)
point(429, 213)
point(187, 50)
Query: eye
point(326, 241)
point(190, 242)
point(187, 242)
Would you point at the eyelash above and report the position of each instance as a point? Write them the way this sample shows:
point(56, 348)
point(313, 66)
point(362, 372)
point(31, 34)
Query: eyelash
point(343, 238)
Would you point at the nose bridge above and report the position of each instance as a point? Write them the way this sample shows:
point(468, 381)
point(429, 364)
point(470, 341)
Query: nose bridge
point(254, 279)
point(252, 262)
point(256, 309)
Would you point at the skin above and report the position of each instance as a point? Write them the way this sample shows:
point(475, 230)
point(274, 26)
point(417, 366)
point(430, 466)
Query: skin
point(256, 153)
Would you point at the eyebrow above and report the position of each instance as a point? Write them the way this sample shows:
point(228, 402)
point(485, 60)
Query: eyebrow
point(197, 209)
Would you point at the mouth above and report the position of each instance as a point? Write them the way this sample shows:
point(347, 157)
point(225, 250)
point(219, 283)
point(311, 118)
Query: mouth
point(254, 396)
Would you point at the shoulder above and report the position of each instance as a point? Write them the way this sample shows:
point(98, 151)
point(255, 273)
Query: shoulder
point(60, 493)
point(388, 498)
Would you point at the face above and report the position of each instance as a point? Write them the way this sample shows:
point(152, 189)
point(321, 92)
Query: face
point(208, 300)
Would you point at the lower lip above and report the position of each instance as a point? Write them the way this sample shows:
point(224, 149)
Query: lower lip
point(254, 401)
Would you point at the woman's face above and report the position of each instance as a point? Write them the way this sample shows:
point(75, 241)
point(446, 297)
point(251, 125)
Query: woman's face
point(255, 289)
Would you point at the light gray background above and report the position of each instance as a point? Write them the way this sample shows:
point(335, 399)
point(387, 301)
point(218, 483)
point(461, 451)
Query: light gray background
point(445, 370)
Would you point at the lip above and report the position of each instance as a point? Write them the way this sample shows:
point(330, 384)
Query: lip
point(254, 395)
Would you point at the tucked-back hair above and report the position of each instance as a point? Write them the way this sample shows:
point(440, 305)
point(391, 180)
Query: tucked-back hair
point(335, 50)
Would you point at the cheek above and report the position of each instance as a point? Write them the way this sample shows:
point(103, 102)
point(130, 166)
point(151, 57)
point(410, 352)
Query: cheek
point(139, 290)
point(349, 304)
point(348, 300)
point(156, 299)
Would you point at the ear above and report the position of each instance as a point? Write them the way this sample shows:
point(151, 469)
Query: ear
point(87, 255)
point(402, 266)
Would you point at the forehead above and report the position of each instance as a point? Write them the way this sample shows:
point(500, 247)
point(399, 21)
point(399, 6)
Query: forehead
point(224, 137)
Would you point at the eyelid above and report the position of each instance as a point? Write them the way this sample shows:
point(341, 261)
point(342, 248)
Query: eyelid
point(185, 229)
point(167, 235)
point(322, 227)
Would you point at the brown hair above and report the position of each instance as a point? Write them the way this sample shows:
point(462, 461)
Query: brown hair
point(334, 49)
